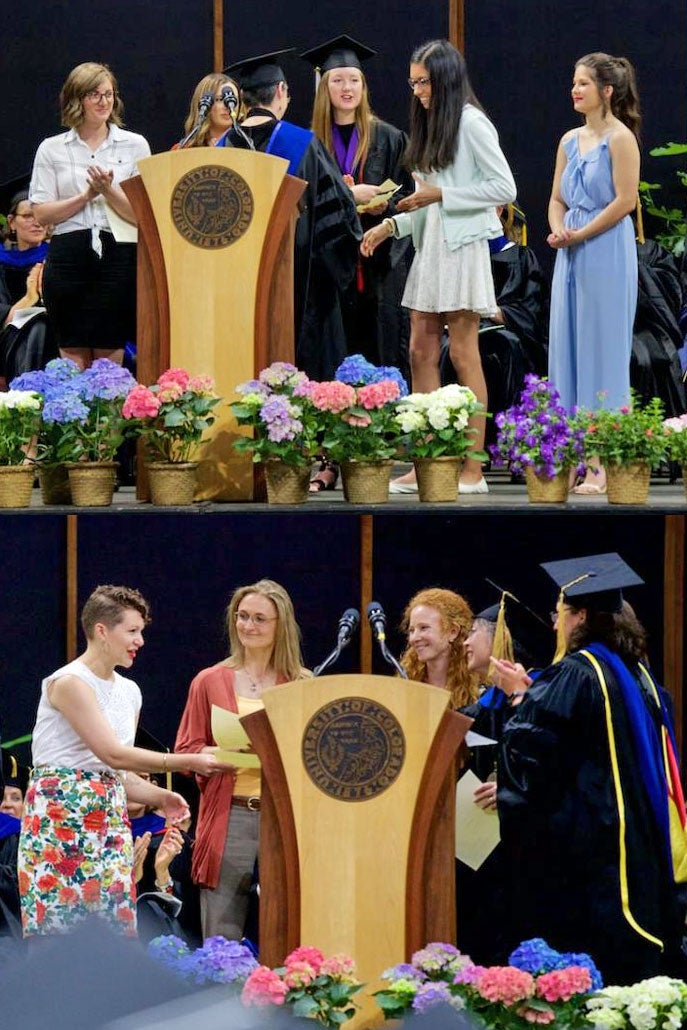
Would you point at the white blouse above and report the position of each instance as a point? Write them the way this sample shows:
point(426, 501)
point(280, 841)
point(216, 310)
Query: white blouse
point(60, 165)
point(57, 745)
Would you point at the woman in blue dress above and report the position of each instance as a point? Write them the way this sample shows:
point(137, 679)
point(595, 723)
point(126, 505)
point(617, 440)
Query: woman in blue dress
point(594, 292)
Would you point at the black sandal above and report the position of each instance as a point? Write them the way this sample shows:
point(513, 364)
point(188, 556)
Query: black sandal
point(325, 478)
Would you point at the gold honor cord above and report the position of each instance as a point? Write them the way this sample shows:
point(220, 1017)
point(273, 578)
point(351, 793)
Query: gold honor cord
point(624, 892)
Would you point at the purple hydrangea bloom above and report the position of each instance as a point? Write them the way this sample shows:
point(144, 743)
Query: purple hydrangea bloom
point(34, 381)
point(404, 971)
point(254, 386)
point(171, 951)
point(65, 406)
point(105, 380)
point(278, 415)
point(431, 994)
point(280, 373)
point(220, 961)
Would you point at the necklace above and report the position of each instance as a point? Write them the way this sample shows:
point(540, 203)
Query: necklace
point(255, 685)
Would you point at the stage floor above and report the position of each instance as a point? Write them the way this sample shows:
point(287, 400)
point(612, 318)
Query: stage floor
point(505, 496)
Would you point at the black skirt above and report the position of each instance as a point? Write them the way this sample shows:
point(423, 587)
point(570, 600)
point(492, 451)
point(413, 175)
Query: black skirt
point(91, 300)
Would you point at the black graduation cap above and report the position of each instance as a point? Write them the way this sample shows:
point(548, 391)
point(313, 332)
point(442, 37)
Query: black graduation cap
point(147, 740)
point(515, 223)
point(341, 52)
point(255, 72)
point(10, 188)
point(528, 632)
point(595, 581)
point(13, 773)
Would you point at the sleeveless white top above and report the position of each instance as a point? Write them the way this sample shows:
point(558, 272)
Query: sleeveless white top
point(57, 745)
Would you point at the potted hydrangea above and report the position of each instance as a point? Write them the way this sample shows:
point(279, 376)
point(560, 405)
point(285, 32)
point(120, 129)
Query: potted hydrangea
point(360, 430)
point(83, 424)
point(437, 436)
point(628, 442)
point(676, 443)
point(312, 986)
point(20, 415)
point(539, 438)
point(285, 425)
point(218, 961)
point(171, 418)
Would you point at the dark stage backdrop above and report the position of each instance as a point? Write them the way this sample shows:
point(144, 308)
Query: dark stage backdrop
point(188, 565)
point(520, 53)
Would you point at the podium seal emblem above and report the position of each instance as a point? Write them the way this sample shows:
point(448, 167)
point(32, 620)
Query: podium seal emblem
point(353, 749)
point(212, 206)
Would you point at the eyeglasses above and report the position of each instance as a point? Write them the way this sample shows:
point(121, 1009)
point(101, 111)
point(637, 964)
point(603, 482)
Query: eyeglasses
point(96, 96)
point(566, 608)
point(424, 81)
point(244, 618)
point(25, 214)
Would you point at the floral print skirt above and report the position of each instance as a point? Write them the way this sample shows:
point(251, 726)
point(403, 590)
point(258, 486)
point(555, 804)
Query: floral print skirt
point(75, 852)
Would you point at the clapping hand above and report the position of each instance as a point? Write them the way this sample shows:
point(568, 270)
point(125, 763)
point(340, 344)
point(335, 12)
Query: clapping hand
point(140, 851)
point(99, 179)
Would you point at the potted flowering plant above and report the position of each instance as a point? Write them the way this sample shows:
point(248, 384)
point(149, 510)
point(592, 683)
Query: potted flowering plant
point(285, 424)
point(628, 442)
point(653, 1004)
point(676, 443)
point(437, 436)
point(539, 438)
point(82, 422)
point(20, 413)
point(313, 986)
point(360, 431)
point(539, 985)
point(218, 961)
point(171, 417)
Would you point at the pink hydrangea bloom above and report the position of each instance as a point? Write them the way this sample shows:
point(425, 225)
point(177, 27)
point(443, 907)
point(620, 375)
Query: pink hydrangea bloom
point(178, 376)
point(170, 392)
point(313, 956)
point(202, 384)
point(469, 974)
point(299, 974)
point(338, 965)
point(505, 984)
point(141, 403)
point(357, 421)
point(376, 395)
point(536, 1015)
point(332, 396)
point(563, 984)
point(264, 987)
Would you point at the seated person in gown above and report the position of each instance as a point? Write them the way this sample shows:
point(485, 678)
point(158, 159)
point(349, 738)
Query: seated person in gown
point(16, 778)
point(328, 229)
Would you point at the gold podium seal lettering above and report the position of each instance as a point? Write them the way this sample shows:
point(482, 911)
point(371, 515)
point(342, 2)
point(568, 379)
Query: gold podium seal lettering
point(353, 749)
point(211, 206)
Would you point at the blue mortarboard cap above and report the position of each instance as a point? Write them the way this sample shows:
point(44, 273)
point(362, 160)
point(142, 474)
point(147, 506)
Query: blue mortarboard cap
point(595, 581)
point(256, 72)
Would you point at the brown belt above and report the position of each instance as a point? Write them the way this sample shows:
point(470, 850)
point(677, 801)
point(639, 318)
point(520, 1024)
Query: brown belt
point(252, 803)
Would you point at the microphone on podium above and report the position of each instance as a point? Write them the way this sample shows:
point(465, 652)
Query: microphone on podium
point(377, 619)
point(205, 105)
point(348, 624)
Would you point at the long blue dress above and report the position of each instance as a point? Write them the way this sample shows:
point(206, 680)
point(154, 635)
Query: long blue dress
point(594, 290)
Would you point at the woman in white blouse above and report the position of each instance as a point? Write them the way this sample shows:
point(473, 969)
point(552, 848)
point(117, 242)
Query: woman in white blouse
point(89, 284)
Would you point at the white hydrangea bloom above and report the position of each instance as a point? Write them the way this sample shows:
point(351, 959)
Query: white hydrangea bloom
point(20, 399)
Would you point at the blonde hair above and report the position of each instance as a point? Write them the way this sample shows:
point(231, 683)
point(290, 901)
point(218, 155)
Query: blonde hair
point(455, 614)
point(287, 660)
point(210, 84)
point(322, 119)
point(80, 81)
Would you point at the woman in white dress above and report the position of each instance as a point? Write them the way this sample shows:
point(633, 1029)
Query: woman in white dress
point(461, 176)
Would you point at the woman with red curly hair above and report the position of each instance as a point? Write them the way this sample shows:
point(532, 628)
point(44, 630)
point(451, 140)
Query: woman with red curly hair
point(436, 622)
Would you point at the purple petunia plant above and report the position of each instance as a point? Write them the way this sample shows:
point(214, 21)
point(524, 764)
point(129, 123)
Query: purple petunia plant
point(82, 410)
point(278, 409)
point(539, 433)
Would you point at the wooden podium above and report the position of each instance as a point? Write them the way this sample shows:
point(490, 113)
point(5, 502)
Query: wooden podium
point(215, 281)
point(357, 824)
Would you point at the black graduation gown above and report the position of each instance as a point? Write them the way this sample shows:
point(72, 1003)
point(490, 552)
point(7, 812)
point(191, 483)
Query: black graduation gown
point(656, 338)
point(560, 823)
point(32, 346)
point(520, 346)
point(375, 322)
point(328, 235)
point(153, 919)
point(10, 910)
